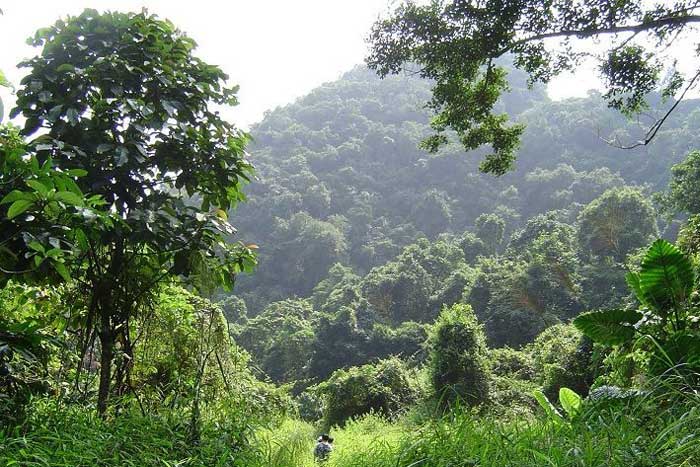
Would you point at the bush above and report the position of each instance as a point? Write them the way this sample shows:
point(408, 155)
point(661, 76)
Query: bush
point(563, 357)
point(458, 357)
point(507, 362)
point(406, 340)
point(386, 387)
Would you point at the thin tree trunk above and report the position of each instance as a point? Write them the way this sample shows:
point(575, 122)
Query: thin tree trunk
point(106, 357)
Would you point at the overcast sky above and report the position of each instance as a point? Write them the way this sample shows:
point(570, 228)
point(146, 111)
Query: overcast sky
point(276, 50)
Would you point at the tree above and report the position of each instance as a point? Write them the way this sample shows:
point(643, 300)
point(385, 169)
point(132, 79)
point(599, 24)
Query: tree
point(280, 339)
point(458, 44)
point(458, 356)
point(616, 223)
point(399, 291)
point(121, 98)
point(683, 195)
point(490, 229)
point(562, 357)
point(39, 207)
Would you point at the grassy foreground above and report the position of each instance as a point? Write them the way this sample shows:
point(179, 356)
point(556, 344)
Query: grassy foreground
point(637, 434)
point(652, 431)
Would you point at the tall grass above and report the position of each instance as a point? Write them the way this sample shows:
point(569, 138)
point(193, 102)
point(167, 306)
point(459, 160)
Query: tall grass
point(74, 436)
point(660, 428)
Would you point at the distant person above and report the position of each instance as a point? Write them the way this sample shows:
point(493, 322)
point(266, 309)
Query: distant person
point(324, 446)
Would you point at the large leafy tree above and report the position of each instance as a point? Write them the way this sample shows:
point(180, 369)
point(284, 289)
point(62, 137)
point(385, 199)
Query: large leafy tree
point(458, 44)
point(683, 195)
point(121, 98)
point(616, 223)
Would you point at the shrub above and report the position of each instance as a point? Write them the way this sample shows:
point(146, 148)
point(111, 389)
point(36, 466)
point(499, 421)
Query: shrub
point(458, 357)
point(386, 387)
point(507, 362)
point(562, 357)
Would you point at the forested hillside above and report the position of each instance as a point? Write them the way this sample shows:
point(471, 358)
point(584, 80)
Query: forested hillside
point(363, 237)
point(489, 280)
point(340, 177)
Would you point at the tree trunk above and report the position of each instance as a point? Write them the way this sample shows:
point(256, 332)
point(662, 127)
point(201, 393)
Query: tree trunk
point(106, 357)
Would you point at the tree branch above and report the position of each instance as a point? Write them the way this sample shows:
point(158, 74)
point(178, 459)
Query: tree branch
point(584, 33)
point(651, 133)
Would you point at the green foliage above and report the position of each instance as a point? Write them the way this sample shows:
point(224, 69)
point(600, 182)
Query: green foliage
point(458, 359)
point(40, 206)
point(682, 195)
point(637, 433)
point(617, 223)
point(386, 387)
point(665, 280)
point(356, 138)
point(72, 435)
point(535, 285)
point(460, 46)
point(507, 362)
point(562, 357)
point(664, 286)
point(32, 326)
point(121, 99)
point(610, 327)
point(570, 402)
point(235, 309)
point(689, 237)
point(552, 413)
point(490, 228)
point(280, 339)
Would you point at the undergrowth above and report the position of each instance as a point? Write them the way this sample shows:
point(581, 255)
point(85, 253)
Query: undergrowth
point(657, 428)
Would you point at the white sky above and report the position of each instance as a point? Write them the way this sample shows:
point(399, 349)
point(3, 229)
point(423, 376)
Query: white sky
point(276, 50)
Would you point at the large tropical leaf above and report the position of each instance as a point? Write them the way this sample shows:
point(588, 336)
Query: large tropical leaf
point(633, 281)
point(609, 327)
point(551, 411)
point(570, 402)
point(666, 277)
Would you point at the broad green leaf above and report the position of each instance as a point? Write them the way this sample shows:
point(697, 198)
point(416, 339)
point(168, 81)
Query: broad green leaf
point(81, 239)
point(18, 207)
point(38, 186)
point(632, 279)
point(62, 270)
point(666, 277)
point(77, 172)
point(65, 68)
point(609, 327)
point(36, 246)
point(15, 195)
point(570, 402)
point(69, 197)
point(549, 409)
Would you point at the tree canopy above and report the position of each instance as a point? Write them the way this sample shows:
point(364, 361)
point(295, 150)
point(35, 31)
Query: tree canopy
point(459, 44)
point(120, 99)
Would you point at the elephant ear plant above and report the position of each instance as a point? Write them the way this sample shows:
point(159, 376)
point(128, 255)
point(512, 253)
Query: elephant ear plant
point(665, 287)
